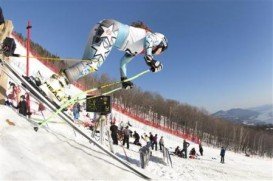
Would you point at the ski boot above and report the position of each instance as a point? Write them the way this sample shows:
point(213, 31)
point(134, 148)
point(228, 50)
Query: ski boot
point(55, 88)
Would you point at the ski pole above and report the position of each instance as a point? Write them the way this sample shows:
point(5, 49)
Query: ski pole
point(71, 101)
point(106, 93)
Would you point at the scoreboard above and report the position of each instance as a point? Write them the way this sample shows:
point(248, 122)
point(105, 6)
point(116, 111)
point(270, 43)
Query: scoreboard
point(101, 104)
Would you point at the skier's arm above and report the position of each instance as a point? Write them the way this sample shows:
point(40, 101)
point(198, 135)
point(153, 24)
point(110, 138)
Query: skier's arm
point(151, 41)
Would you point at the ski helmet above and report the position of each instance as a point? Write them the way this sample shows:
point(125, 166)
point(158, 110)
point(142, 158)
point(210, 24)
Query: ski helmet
point(163, 44)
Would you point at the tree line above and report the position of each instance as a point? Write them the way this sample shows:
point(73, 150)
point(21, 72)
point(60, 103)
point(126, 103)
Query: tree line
point(197, 121)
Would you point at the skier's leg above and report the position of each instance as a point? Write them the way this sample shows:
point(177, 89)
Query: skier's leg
point(99, 45)
point(100, 42)
point(115, 139)
point(124, 140)
point(127, 141)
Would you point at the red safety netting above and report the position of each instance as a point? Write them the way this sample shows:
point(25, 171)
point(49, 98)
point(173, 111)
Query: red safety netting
point(180, 134)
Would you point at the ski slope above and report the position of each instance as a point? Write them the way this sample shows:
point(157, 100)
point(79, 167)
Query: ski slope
point(52, 153)
point(55, 152)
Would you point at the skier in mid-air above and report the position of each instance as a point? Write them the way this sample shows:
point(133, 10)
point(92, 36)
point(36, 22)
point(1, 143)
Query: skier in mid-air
point(133, 40)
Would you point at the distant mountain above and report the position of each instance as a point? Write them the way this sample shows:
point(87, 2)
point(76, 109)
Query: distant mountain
point(250, 116)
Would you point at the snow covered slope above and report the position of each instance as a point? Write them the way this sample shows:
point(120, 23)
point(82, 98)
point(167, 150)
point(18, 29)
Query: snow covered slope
point(53, 153)
point(207, 167)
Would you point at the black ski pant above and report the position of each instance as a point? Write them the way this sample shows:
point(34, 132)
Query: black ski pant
point(126, 140)
point(185, 153)
point(222, 159)
point(136, 142)
point(161, 146)
point(155, 143)
point(114, 138)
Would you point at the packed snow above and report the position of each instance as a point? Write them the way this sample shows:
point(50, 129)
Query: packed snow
point(56, 152)
point(51, 153)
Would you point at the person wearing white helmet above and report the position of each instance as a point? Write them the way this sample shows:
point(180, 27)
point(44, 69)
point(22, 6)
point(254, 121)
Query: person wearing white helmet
point(133, 40)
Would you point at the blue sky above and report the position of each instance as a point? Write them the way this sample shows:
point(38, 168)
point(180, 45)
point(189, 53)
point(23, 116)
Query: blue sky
point(219, 55)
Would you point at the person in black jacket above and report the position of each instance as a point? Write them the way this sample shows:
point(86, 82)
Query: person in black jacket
point(185, 148)
point(200, 149)
point(137, 137)
point(22, 106)
point(114, 133)
point(151, 140)
point(193, 153)
point(155, 142)
point(222, 154)
point(177, 151)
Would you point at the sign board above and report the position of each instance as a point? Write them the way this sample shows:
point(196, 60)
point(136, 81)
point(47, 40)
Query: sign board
point(101, 104)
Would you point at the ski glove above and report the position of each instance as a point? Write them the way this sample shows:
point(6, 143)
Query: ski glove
point(127, 84)
point(155, 66)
